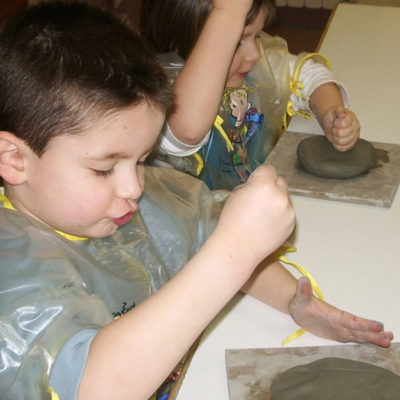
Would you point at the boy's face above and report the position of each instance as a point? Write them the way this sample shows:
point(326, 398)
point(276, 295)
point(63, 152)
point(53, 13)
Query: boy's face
point(247, 52)
point(88, 184)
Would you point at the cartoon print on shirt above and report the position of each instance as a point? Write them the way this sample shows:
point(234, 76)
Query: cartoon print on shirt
point(244, 121)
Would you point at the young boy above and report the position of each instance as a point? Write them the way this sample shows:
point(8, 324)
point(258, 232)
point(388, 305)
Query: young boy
point(82, 102)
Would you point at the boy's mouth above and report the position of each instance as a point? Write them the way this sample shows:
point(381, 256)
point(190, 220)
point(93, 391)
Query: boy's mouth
point(124, 219)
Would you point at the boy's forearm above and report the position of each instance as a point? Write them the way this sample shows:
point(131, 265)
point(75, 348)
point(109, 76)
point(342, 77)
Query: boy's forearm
point(200, 84)
point(130, 357)
point(272, 284)
point(324, 98)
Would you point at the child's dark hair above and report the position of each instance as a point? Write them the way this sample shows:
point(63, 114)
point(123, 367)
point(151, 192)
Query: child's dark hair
point(66, 64)
point(175, 25)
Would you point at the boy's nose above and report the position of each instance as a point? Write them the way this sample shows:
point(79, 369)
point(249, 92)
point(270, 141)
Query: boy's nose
point(130, 188)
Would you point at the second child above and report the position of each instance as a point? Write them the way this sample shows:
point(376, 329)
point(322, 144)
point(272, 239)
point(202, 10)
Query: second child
point(236, 87)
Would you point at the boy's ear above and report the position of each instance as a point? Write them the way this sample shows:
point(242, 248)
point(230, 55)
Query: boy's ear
point(11, 159)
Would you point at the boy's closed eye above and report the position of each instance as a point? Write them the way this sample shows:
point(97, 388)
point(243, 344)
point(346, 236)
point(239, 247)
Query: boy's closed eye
point(105, 172)
point(109, 171)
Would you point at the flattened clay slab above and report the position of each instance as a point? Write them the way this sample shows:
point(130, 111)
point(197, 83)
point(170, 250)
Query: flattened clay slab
point(250, 372)
point(334, 378)
point(318, 157)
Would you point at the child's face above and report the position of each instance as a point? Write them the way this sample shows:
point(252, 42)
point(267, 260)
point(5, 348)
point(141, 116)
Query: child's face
point(88, 184)
point(247, 52)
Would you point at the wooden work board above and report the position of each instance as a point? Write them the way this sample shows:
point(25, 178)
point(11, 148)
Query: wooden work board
point(251, 372)
point(375, 188)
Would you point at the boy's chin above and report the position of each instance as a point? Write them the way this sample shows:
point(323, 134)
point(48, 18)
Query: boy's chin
point(98, 232)
point(104, 232)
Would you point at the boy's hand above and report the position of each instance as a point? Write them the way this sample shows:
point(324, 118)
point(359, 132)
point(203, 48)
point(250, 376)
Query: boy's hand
point(258, 216)
point(322, 319)
point(341, 127)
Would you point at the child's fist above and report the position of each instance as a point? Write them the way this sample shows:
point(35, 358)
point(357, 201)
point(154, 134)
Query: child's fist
point(341, 127)
point(258, 215)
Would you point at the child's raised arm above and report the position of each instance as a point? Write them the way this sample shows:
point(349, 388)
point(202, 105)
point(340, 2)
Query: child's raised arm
point(131, 356)
point(200, 84)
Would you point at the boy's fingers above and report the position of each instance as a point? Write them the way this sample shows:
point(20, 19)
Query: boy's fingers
point(341, 113)
point(282, 183)
point(264, 170)
point(268, 172)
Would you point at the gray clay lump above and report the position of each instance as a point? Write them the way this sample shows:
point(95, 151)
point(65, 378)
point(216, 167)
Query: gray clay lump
point(318, 157)
point(334, 378)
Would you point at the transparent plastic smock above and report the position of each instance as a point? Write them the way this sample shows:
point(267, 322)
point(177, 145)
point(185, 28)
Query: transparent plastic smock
point(52, 288)
point(250, 119)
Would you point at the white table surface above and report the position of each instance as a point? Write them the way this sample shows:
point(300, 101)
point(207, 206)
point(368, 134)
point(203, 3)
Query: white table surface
point(350, 249)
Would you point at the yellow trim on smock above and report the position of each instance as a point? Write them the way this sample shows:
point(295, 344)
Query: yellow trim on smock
point(218, 124)
point(296, 85)
point(200, 165)
point(54, 395)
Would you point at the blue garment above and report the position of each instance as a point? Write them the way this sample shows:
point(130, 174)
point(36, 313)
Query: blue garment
point(70, 363)
point(229, 159)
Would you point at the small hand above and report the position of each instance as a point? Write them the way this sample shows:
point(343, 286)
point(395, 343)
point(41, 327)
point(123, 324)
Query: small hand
point(324, 320)
point(341, 128)
point(258, 214)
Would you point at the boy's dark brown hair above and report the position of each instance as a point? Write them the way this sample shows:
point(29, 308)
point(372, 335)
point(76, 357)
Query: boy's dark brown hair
point(175, 25)
point(64, 65)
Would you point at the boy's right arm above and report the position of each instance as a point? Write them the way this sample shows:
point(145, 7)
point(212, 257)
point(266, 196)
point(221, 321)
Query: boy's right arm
point(201, 82)
point(132, 356)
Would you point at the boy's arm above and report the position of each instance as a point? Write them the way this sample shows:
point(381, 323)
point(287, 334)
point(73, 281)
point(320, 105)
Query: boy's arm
point(274, 285)
point(328, 101)
point(131, 356)
point(340, 125)
point(200, 84)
